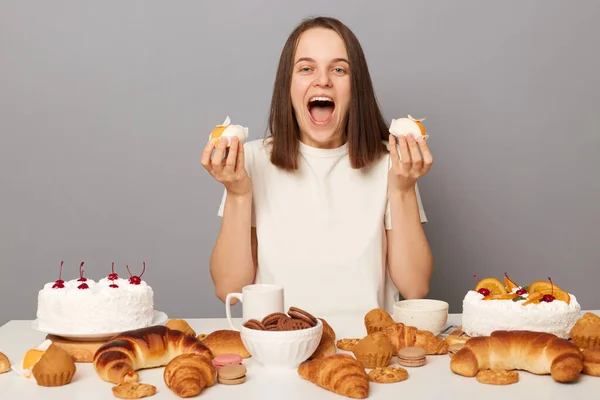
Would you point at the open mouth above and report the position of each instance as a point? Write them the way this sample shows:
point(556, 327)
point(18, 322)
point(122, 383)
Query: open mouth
point(321, 109)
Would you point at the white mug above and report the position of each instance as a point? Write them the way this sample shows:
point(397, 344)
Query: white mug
point(258, 301)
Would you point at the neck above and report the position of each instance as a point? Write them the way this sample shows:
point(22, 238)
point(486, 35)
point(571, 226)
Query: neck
point(332, 143)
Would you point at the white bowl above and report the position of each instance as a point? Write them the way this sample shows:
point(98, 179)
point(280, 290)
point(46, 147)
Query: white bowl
point(424, 314)
point(282, 349)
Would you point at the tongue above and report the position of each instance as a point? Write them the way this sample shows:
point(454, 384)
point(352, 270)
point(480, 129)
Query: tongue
point(321, 114)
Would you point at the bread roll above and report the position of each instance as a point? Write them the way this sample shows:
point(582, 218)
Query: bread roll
point(225, 342)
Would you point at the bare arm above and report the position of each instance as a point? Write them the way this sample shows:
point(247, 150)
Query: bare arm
point(234, 258)
point(409, 256)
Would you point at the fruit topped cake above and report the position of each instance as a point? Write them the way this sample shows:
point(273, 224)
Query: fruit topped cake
point(84, 306)
point(542, 307)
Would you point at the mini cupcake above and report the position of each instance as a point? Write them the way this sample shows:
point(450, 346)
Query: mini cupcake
point(55, 368)
point(374, 350)
point(377, 320)
point(586, 331)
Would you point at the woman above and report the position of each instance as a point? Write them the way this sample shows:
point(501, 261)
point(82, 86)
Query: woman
point(326, 206)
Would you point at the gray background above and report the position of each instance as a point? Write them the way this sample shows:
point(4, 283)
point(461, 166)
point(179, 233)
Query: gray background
point(105, 108)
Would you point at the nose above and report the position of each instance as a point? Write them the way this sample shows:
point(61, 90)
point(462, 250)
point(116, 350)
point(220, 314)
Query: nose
point(323, 79)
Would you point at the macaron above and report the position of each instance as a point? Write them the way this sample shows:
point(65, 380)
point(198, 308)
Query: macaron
point(223, 360)
point(411, 356)
point(231, 374)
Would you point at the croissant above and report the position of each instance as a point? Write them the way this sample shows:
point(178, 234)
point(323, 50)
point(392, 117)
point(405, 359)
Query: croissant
point(339, 373)
point(536, 352)
point(188, 374)
point(117, 360)
point(401, 336)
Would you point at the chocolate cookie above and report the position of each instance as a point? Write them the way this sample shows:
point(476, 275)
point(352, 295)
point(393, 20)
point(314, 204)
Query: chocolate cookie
point(297, 313)
point(254, 324)
point(272, 319)
point(283, 323)
point(297, 324)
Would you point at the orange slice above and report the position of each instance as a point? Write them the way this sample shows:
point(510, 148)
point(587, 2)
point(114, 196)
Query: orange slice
point(558, 294)
point(32, 357)
point(491, 284)
point(217, 132)
point(510, 285)
point(541, 285)
point(533, 298)
point(507, 296)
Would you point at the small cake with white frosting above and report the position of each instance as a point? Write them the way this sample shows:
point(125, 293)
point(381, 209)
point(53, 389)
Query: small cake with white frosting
point(84, 306)
point(408, 126)
point(540, 307)
point(228, 130)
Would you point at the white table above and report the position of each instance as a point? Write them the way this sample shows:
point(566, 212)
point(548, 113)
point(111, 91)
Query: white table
point(435, 380)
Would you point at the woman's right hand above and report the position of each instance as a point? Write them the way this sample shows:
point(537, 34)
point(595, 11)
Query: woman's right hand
point(228, 167)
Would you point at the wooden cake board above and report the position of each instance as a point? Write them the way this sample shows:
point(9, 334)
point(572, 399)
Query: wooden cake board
point(82, 352)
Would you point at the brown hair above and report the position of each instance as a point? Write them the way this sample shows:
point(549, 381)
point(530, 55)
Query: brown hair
point(365, 125)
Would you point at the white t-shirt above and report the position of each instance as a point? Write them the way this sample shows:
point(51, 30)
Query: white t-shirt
point(321, 229)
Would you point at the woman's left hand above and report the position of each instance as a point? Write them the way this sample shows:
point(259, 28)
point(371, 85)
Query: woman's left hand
point(408, 165)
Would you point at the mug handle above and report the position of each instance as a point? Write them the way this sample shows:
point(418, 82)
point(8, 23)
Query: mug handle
point(228, 307)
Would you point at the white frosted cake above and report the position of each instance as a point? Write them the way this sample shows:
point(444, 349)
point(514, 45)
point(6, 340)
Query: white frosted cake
point(84, 306)
point(541, 307)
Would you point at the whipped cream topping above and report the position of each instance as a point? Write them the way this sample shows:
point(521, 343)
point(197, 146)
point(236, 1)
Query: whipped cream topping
point(482, 317)
point(407, 126)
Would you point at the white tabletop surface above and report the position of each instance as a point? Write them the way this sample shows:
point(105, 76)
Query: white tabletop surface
point(435, 380)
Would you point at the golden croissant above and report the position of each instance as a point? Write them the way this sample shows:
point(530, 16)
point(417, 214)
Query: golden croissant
point(338, 373)
point(117, 360)
point(401, 336)
point(188, 374)
point(536, 352)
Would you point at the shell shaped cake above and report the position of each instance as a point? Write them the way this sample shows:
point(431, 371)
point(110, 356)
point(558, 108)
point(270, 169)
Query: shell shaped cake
point(85, 306)
point(408, 126)
point(228, 130)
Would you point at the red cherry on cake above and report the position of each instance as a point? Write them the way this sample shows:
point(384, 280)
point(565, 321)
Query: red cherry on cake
point(549, 298)
point(83, 286)
point(136, 280)
point(484, 291)
point(521, 292)
point(112, 276)
point(81, 278)
point(59, 283)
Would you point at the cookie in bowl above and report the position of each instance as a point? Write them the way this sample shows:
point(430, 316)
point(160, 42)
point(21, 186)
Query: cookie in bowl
point(282, 340)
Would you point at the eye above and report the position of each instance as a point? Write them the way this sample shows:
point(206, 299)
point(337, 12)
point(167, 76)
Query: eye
point(304, 69)
point(339, 70)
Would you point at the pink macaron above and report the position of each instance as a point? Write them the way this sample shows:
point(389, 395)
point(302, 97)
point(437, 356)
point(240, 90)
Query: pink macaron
point(226, 359)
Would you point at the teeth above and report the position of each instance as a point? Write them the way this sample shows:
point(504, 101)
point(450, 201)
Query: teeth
point(320, 98)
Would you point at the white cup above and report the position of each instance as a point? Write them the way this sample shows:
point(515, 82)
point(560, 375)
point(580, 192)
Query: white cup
point(257, 300)
point(424, 314)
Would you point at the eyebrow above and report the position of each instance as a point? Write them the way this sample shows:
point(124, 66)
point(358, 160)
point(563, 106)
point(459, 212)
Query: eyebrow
point(335, 60)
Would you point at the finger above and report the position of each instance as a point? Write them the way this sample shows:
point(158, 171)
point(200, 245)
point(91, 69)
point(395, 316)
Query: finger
point(231, 156)
point(217, 159)
point(205, 159)
point(405, 159)
point(427, 156)
point(415, 153)
point(241, 159)
point(393, 149)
